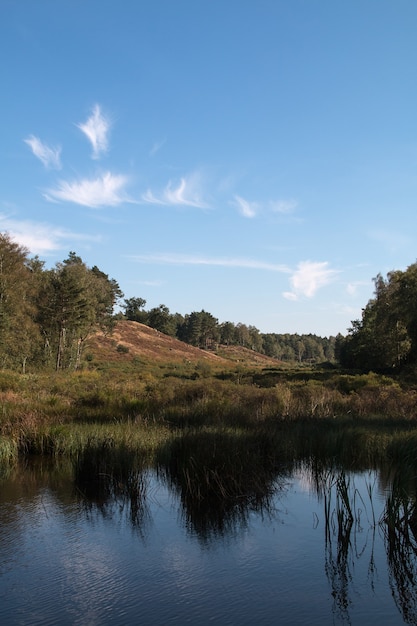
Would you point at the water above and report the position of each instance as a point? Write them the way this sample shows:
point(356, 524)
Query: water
point(69, 559)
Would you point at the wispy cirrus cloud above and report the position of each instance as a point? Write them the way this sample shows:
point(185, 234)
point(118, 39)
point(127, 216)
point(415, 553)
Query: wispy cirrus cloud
point(96, 129)
point(105, 190)
point(41, 238)
point(50, 157)
point(184, 259)
point(309, 277)
point(251, 209)
point(186, 193)
point(246, 208)
point(283, 206)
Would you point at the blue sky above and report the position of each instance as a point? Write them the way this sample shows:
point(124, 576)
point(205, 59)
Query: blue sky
point(253, 158)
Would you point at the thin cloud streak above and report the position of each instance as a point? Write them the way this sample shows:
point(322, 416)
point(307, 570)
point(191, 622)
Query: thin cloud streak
point(96, 129)
point(40, 238)
point(182, 259)
point(283, 206)
point(251, 209)
point(106, 190)
point(50, 157)
point(185, 194)
point(246, 208)
point(309, 277)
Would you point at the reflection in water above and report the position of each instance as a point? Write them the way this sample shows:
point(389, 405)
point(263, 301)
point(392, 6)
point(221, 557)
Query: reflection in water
point(400, 531)
point(350, 526)
point(349, 514)
point(221, 483)
point(112, 481)
point(221, 478)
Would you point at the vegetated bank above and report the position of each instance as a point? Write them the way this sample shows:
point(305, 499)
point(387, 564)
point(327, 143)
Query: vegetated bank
point(132, 402)
point(130, 389)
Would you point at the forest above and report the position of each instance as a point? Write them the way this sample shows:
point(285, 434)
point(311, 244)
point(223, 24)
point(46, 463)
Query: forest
point(47, 316)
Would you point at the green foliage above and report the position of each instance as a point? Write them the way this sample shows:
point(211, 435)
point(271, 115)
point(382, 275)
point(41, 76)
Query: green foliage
point(199, 329)
point(134, 310)
point(46, 315)
point(385, 339)
point(161, 319)
point(19, 335)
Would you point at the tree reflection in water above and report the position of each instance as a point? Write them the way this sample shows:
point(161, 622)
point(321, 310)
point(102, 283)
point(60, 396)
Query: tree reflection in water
point(221, 478)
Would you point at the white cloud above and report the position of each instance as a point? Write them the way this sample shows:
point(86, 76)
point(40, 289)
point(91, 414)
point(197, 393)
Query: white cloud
point(106, 190)
point(50, 157)
point(283, 206)
point(185, 194)
point(251, 209)
point(40, 238)
point(184, 259)
point(308, 278)
point(246, 208)
point(96, 129)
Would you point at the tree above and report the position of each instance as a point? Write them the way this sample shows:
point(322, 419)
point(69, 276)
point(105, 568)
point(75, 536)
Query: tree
point(255, 339)
point(242, 335)
point(386, 336)
point(160, 318)
point(134, 310)
point(227, 333)
point(18, 332)
point(74, 300)
point(200, 329)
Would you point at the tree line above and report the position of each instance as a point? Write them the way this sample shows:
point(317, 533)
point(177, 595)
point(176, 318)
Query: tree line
point(203, 330)
point(47, 316)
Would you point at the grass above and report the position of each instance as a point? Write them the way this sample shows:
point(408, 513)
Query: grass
point(357, 419)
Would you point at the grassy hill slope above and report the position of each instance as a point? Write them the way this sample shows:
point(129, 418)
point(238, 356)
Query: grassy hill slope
point(131, 340)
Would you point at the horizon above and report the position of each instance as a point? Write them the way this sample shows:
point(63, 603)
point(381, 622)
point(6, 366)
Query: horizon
point(255, 160)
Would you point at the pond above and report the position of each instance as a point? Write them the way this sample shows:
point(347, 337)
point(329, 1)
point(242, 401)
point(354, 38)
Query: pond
point(319, 546)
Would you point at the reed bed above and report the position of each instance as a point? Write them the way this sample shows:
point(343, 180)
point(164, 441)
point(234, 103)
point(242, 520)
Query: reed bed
point(62, 413)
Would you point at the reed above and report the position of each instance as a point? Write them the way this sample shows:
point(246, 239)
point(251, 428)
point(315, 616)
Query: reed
point(8, 453)
point(356, 419)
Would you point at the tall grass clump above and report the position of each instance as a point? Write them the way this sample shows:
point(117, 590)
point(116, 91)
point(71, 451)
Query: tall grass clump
point(9, 453)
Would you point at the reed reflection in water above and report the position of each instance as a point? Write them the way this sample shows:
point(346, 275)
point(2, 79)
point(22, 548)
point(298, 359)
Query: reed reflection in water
point(261, 538)
point(223, 478)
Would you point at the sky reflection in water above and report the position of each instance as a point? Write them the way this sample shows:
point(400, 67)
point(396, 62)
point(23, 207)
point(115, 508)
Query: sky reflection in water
point(296, 558)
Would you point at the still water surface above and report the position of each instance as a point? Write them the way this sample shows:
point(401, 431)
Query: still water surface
point(65, 559)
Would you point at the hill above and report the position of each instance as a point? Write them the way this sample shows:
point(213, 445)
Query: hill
point(130, 340)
